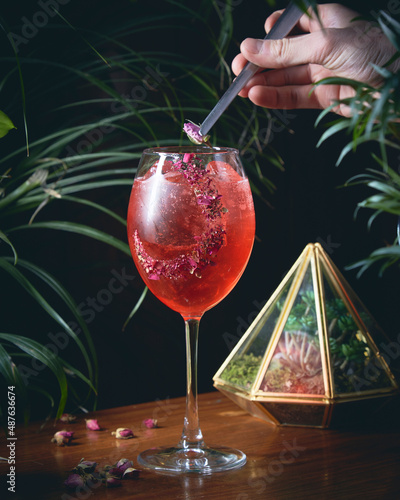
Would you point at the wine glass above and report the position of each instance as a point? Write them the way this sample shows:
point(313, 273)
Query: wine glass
point(191, 230)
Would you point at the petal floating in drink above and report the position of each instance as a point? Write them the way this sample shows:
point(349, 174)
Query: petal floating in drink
point(207, 243)
point(187, 157)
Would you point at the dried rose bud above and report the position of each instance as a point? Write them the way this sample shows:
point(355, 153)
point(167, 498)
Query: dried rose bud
point(112, 482)
point(131, 473)
point(67, 418)
point(193, 132)
point(123, 464)
point(123, 433)
point(62, 438)
point(74, 481)
point(115, 472)
point(87, 466)
point(150, 423)
point(92, 425)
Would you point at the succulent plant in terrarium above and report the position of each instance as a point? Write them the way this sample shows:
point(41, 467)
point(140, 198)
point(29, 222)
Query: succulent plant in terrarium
point(309, 350)
point(296, 364)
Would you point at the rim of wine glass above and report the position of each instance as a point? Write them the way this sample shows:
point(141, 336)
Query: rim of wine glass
point(190, 149)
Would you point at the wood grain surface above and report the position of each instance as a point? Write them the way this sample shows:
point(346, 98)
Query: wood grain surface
point(359, 461)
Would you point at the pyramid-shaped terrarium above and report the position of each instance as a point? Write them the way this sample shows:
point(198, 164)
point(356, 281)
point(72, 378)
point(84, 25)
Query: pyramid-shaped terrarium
point(310, 358)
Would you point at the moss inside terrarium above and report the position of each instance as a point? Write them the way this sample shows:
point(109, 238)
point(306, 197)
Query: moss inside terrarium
point(298, 359)
point(242, 371)
point(296, 365)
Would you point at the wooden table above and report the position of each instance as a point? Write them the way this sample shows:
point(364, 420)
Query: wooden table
point(282, 462)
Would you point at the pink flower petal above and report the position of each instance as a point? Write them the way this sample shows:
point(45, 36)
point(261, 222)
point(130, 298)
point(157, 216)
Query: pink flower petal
point(187, 157)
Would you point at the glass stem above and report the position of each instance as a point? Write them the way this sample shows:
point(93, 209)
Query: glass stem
point(192, 436)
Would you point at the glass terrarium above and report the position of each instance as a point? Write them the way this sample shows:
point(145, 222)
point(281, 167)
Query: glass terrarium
point(310, 357)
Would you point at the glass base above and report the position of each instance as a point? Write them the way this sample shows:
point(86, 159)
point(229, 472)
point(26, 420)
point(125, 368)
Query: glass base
point(192, 460)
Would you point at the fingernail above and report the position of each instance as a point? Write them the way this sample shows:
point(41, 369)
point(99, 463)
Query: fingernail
point(252, 45)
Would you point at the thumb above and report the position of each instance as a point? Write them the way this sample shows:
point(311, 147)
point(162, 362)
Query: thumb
point(304, 49)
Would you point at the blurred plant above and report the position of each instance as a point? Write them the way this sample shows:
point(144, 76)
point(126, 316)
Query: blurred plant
point(375, 117)
point(91, 104)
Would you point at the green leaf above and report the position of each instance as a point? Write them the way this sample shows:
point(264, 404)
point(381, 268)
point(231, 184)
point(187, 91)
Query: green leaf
point(83, 38)
point(27, 285)
point(36, 179)
point(391, 251)
point(97, 206)
point(5, 124)
point(385, 188)
point(78, 374)
point(333, 129)
point(6, 240)
point(79, 229)
point(63, 293)
point(13, 378)
point(134, 310)
point(21, 83)
point(385, 23)
point(47, 357)
point(390, 255)
point(353, 145)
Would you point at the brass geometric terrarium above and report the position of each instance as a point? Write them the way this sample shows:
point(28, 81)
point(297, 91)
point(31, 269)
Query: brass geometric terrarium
point(310, 357)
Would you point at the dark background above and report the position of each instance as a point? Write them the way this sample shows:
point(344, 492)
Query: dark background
point(147, 360)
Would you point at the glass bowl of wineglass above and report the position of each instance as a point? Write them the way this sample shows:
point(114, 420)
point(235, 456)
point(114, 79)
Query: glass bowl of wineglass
point(191, 228)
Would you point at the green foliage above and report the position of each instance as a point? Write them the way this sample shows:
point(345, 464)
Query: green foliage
point(92, 102)
point(5, 124)
point(375, 117)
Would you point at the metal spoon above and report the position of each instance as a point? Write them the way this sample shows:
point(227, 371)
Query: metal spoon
point(281, 28)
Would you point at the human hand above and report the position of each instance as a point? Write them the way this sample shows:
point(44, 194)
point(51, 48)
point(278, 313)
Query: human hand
point(341, 47)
